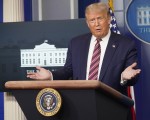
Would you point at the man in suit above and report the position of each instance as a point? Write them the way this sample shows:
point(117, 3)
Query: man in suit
point(117, 57)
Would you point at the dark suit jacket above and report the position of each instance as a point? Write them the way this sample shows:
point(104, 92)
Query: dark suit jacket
point(120, 53)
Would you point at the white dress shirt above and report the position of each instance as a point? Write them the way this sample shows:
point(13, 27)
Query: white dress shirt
point(103, 45)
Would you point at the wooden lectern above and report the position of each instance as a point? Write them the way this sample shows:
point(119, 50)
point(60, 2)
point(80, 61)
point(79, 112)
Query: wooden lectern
point(81, 100)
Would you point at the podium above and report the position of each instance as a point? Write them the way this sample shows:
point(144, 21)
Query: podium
point(81, 100)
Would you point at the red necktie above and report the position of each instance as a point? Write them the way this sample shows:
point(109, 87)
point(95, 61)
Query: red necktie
point(94, 67)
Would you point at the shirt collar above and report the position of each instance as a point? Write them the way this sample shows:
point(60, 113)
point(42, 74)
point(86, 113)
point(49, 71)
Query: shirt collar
point(104, 39)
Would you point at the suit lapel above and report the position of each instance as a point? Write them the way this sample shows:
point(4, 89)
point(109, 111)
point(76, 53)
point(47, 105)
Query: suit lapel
point(84, 57)
point(110, 50)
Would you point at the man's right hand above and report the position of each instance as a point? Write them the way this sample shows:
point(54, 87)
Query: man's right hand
point(41, 74)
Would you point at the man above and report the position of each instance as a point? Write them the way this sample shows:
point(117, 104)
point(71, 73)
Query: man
point(115, 56)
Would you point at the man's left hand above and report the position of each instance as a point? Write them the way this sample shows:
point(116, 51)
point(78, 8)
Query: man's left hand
point(130, 72)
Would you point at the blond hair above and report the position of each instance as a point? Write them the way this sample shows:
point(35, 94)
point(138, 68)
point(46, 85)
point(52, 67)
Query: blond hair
point(100, 7)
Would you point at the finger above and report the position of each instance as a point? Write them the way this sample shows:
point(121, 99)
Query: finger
point(133, 65)
point(30, 73)
point(38, 68)
point(31, 76)
point(138, 71)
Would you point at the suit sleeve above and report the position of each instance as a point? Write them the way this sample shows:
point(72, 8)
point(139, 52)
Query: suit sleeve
point(66, 72)
point(131, 58)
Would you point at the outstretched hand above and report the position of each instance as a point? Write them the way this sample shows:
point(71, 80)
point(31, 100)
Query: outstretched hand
point(41, 74)
point(130, 72)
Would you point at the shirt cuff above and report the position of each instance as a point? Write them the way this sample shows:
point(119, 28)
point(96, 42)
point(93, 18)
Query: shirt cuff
point(122, 81)
point(51, 75)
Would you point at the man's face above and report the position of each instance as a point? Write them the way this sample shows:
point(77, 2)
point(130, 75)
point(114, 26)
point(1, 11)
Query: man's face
point(98, 23)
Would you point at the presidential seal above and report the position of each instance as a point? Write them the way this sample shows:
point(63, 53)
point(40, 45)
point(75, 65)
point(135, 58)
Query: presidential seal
point(48, 102)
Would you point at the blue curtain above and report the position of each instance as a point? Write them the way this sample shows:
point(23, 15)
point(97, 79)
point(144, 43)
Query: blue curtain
point(1, 106)
point(82, 5)
point(27, 10)
point(1, 10)
point(1, 93)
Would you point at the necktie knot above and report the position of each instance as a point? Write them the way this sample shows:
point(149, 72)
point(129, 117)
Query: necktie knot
point(98, 39)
